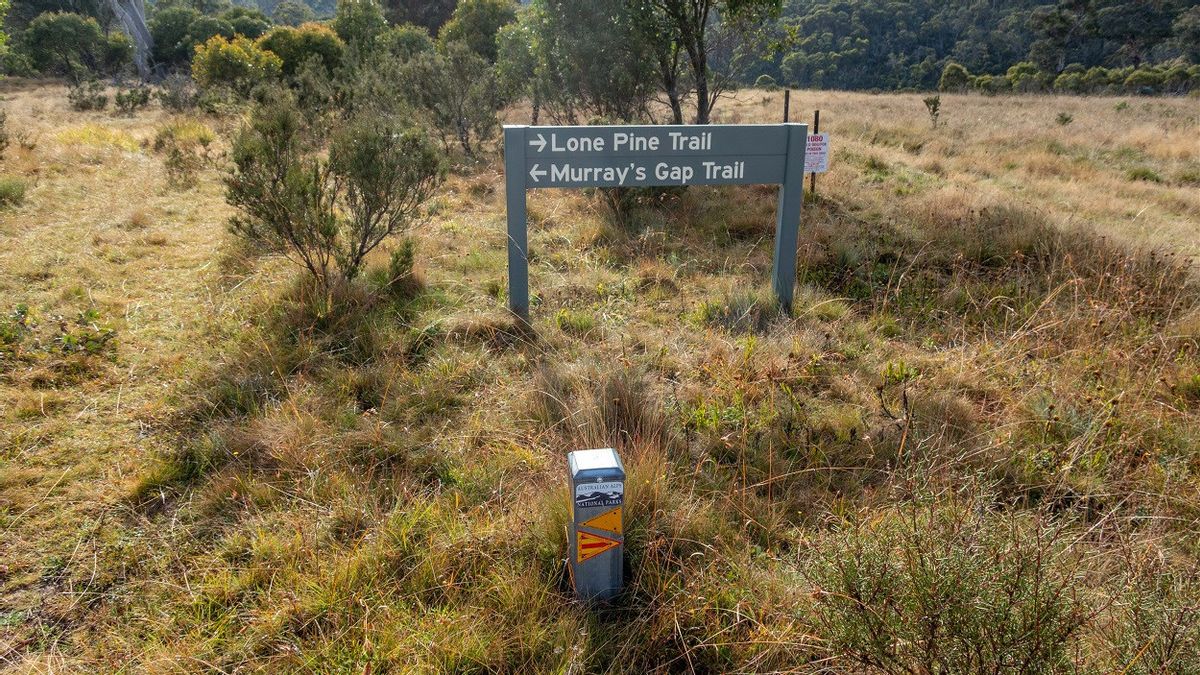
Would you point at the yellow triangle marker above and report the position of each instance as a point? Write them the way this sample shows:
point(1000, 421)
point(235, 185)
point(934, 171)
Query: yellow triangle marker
point(609, 521)
point(590, 545)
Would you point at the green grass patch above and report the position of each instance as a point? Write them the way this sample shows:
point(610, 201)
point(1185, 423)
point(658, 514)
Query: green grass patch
point(12, 191)
point(1143, 173)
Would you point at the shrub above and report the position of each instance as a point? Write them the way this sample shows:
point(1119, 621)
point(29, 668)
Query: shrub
point(1143, 81)
point(238, 63)
point(88, 95)
point(62, 43)
point(177, 92)
point(1026, 77)
point(458, 91)
point(16, 64)
point(205, 28)
point(767, 82)
point(989, 84)
point(292, 13)
point(185, 144)
point(1071, 83)
point(12, 191)
point(475, 23)
point(169, 28)
point(130, 100)
point(3, 132)
point(947, 588)
point(405, 42)
point(181, 166)
point(954, 78)
point(402, 282)
point(251, 23)
point(933, 105)
point(359, 22)
point(187, 133)
point(327, 214)
point(1095, 80)
point(295, 46)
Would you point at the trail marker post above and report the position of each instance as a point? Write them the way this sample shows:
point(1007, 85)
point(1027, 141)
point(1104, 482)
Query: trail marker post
point(816, 130)
point(643, 156)
point(596, 546)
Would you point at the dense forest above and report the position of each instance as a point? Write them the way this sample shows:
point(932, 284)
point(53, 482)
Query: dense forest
point(852, 44)
point(1078, 46)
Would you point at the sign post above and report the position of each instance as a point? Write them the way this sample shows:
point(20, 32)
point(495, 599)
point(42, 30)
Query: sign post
point(642, 156)
point(518, 229)
point(596, 549)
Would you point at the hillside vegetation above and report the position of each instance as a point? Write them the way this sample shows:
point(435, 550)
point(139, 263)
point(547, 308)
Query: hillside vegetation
point(1069, 46)
point(971, 448)
point(847, 44)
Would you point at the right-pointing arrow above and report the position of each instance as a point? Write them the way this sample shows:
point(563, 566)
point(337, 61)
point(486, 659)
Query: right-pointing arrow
point(540, 143)
point(535, 174)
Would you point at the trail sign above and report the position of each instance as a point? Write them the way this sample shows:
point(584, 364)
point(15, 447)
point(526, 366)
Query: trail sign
point(596, 481)
point(609, 521)
point(641, 156)
point(591, 545)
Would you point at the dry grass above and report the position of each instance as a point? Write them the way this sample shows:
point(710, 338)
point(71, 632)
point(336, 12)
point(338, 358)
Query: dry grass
point(987, 379)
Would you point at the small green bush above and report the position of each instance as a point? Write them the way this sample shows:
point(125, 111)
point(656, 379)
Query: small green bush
point(87, 95)
point(238, 63)
point(933, 105)
point(12, 191)
point(86, 335)
point(954, 78)
point(402, 282)
point(458, 91)
point(328, 212)
point(177, 92)
point(296, 46)
point(948, 588)
point(128, 101)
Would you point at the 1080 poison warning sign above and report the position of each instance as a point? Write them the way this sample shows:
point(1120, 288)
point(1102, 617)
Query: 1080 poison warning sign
point(599, 494)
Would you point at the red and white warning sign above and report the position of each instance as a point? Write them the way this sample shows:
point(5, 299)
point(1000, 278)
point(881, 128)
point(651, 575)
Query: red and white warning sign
point(816, 153)
point(590, 545)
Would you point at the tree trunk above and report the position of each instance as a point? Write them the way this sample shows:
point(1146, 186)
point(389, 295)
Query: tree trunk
point(700, 72)
point(464, 138)
point(668, 69)
point(132, 16)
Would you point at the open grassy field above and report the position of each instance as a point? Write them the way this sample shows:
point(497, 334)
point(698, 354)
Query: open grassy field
point(974, 446)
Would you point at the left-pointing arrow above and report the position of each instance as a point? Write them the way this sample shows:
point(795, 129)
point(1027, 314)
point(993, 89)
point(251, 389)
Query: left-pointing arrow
point(535, 174)
point(540, 143)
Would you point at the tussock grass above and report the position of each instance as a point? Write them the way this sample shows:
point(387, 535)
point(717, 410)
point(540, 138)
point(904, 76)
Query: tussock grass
point(183, 133)
point(972, 445)
point(97, 136)
point(12, 191)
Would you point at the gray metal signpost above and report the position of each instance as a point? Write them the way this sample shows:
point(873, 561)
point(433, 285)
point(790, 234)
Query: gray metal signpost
point(641, 156)
point(597, 539)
